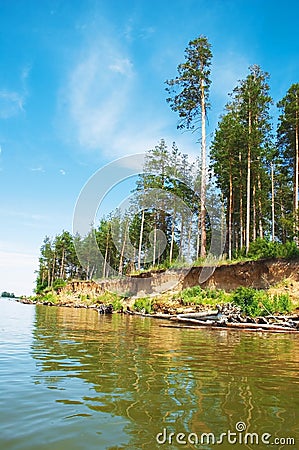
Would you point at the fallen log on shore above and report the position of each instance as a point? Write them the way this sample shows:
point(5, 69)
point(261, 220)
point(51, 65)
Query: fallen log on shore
point(213, 327)
point(210, 313)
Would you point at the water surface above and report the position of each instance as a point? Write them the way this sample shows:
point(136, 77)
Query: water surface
point(73, 380)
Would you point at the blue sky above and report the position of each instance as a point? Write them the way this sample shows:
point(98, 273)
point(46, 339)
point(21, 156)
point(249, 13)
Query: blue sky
point(82, 83)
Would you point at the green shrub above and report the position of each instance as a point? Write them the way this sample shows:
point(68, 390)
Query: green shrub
point(198, 296)
point(117, 304)
point(255, 302)
point(282, 303)
point(262, 248)
point(247, 299)
point(50, 297)
point(143, 304)
point(58, 284)
point(109, 298)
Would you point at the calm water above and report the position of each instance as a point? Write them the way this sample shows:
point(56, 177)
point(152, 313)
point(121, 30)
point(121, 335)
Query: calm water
point(70, 379)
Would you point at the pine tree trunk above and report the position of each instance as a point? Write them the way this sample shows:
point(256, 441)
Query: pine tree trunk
point(53, 270)
point(106, 255)
point(121, 258)
point(272, 203)
point(248, 199)
point(140, 241)
point(283, 231)
point(181, 238)
point(259, 185)
point(254, 213)
point(241, 205)
point(296, 171)
point(155, 244)
point(172, 237)
point(61, 275)
point(203, 250)
point(189, 240)
point(49, 276)
point(198, 238)
point(230, 206)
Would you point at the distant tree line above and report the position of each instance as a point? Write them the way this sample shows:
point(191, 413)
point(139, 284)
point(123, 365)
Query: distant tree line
point(252, 168)
point(8, 294)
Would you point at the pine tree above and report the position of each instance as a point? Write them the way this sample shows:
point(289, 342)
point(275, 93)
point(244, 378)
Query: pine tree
point(189, 94)
point(288, 142)
point(252, 101)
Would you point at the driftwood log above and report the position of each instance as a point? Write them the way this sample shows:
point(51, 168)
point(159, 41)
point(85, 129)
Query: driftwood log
point(229, 316)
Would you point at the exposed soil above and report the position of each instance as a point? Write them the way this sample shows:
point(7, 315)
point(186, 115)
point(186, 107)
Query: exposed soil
point(260, 274)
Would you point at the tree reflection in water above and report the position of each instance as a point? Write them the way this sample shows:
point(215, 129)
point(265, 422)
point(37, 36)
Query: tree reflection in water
point(151, 377)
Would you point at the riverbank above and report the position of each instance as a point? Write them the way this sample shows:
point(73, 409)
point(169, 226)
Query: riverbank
point(244, 309)
point(226, 315)
point(263, 292)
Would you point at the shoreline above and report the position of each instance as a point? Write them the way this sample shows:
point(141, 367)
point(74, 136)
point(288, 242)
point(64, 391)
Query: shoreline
point(225, 317)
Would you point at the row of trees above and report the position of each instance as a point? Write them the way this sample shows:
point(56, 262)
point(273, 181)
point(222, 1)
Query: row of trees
point(256, 172)
point(160, 227)
point(254, 169)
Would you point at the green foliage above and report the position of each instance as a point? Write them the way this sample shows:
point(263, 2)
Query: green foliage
point(50, 297)
point(110, 298)
point(41, 285)
point(193, 81)
point(58, 284)
point(144, 304)
point(261, 248)
point(198, 296)
point(282, 303)
point(249, 300)
point(255, 302)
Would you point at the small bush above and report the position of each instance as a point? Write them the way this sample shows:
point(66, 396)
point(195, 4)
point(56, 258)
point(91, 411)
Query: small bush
point(58, 284)
point(247, 299)
point(258, 303)
point(144, 304)
point(50, 297)
point(262, 248)
point(108, 298)
point(198, 296)
point(282, 303)
point(117, 304)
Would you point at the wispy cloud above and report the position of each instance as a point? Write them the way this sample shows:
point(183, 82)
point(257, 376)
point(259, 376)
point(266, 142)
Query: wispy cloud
point(62, 172)
point(12, 101)
point(105, 108)
point(37, 169)
point(22, 215)
point(11, 259)
point(227, 70)
point(97, 94)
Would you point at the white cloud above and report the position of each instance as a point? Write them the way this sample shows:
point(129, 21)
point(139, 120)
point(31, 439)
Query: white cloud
point(62, 172)
point(105, 108)
point(97, 94)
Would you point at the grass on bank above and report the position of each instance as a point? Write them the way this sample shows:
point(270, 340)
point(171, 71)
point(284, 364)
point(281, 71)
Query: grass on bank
point(253, 302)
